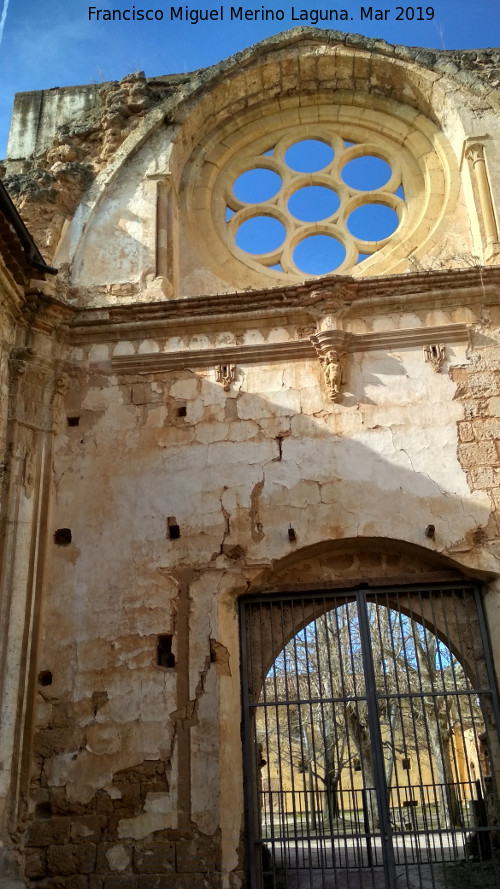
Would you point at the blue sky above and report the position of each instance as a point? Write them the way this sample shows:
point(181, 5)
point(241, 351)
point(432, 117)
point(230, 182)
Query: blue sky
point(52, 43)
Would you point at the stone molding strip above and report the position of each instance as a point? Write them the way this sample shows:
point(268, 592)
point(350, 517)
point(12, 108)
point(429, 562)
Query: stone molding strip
point(161, 361)
point(290, 351)
point(389, 339)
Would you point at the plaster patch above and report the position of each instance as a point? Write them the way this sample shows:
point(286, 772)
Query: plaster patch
point(98, 352)
point(148, 346)
point(160, 814)
point(118, 858)
point(187, 389)
point(124, 348)
point(103, 739)
point(112, 791)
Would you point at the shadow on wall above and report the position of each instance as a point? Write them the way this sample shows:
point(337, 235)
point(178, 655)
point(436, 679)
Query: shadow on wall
point(236, 469)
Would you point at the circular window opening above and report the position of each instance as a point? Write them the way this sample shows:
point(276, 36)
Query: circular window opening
point(313, 203)
point(373, 222)
point(260, 234)
point(366, 173)
point(257, 185)
point(309, 156)
point(318, 255)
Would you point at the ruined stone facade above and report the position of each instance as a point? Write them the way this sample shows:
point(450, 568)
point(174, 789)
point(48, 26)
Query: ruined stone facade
point(173, 406)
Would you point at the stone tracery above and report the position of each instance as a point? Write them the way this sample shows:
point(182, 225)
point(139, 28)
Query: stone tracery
point(416, 189)
point(308, 221)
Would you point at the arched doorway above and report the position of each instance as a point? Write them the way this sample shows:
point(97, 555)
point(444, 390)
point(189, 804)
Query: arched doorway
point(371, 738)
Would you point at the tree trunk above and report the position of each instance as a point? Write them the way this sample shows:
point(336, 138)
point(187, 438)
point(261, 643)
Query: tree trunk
point(311, 794)
point(392, 712)
point(438, 721)
point(331, 803)
point(440, 742)
point(332, 767)
point(361, 736)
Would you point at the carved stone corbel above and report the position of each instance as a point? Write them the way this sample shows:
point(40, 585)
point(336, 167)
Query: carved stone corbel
point(333, 369)
point(61, 387)
point(434, 354)
point(332, 348)
point(225, 374)
point(17, 368)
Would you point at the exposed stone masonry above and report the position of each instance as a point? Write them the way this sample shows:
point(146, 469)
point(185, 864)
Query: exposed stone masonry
point(478, 389)
point(49, 188)
point(79, 846)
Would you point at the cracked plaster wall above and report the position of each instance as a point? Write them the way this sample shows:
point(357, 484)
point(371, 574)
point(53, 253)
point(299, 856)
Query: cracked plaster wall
point(235, 471)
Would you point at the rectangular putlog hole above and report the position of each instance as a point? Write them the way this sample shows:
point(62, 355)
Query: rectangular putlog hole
point(164, 654)
point(173, 530)
point(73, 421)
point(62, 537)
point(45, 677)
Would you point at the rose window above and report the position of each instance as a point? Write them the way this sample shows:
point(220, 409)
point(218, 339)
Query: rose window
point(313, 206)
point(307, 188)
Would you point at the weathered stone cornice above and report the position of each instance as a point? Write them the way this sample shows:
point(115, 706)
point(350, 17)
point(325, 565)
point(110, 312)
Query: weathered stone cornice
point(35, 381)
point(328, 303)
point(45, 314)
point(13, 298)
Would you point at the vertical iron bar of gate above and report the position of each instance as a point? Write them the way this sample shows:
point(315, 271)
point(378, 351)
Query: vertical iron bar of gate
point(376, 742)
point(247, 748)
point(485, 840)
point(487, 656)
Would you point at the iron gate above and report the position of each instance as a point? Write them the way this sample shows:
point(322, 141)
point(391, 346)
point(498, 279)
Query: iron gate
point(371, 730)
